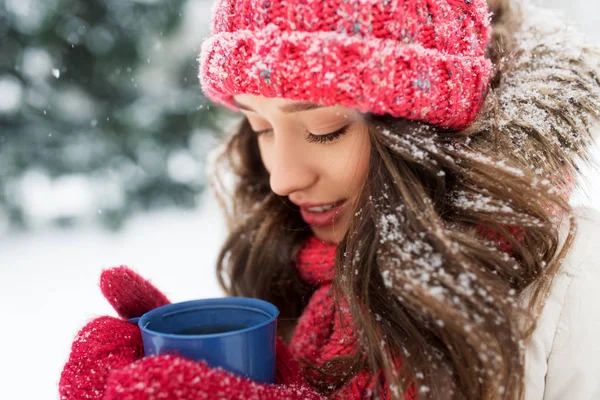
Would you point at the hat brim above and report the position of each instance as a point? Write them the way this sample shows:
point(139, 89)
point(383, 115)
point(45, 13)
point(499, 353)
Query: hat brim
point(380, 76)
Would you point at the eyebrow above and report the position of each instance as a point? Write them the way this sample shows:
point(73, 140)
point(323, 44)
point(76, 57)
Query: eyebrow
point(286, 108)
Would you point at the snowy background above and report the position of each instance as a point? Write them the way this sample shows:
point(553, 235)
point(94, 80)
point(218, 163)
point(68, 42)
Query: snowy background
point(49, 276)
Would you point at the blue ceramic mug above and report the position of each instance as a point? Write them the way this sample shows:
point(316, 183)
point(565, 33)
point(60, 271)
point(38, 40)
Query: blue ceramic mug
point(235, 333)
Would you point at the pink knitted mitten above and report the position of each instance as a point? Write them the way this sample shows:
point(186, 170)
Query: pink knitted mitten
point(108, 343)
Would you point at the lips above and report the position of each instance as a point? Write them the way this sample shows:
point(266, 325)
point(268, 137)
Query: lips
point(324, 218)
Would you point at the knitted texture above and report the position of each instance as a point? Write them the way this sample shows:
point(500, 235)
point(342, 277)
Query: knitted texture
point(324, 331)
point(107, 343)
point(103, 345)
point(419, 59)
point(175, 378)
point(128, 293)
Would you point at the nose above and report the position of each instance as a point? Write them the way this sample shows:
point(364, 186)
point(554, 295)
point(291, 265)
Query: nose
point(291, 167)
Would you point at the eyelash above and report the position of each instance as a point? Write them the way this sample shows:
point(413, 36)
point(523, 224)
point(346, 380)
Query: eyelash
point(330, 137)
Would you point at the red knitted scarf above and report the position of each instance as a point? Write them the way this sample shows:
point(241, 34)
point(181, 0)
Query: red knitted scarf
point(324, 331)
point(319, 335)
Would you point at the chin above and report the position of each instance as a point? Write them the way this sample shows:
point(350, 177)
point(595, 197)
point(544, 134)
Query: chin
point(328, 234)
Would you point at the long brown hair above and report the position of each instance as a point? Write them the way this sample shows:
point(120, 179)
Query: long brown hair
point(424, 279)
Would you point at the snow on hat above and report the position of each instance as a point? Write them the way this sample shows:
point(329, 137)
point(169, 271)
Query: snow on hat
point(416, 59)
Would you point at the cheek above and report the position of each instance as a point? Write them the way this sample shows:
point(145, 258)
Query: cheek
point(352, 165)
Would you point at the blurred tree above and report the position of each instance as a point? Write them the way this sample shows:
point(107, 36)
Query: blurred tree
point(80, 96)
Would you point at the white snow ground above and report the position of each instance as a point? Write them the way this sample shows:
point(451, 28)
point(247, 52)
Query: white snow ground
point(49, 285)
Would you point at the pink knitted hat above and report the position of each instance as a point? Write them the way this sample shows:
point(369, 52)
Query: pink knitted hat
point(415, 59)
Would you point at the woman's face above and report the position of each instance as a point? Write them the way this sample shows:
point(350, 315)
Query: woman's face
point(315, 157)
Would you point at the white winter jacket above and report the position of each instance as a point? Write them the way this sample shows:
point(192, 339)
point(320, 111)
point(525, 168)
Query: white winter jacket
point(562, 360)
point(554, 64)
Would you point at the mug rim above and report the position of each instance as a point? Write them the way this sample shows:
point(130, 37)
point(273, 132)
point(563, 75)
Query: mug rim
point(249, 303)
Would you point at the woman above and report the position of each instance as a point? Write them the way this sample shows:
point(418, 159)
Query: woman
point(402, 182)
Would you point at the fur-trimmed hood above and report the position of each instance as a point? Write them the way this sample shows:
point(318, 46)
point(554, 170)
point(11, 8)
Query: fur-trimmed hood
point(544, 102)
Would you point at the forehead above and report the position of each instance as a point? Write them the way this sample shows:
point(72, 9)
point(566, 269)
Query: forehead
point(257, 104)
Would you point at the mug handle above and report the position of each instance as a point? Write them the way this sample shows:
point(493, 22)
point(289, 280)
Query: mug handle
point(134, 320)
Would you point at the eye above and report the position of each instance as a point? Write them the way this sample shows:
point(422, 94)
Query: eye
point(327, 138)
point(330, 137)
